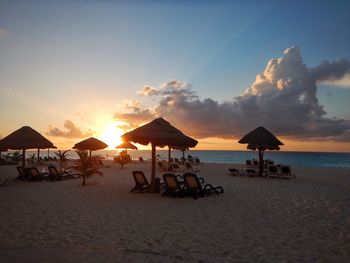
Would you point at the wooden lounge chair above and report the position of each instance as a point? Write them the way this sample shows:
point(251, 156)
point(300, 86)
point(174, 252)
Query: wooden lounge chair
point(190, 167)
point(233, 171)
point(141, 183)
point(250, 172)
point(55, 175)
point(195, 188)
point(35, 175)
point(22, 173)
point(172, 186)
point(286, 172)
point(272, 172)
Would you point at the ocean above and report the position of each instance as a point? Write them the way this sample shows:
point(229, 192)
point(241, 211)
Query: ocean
point(306, 159)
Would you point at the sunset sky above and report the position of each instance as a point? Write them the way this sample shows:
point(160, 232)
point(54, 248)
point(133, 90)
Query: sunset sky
point(214, 69)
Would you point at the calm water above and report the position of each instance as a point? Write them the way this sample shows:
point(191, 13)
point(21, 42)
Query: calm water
point(292, 158)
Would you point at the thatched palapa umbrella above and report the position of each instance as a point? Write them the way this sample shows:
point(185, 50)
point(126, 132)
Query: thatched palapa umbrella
point(90, 144)
point(261, 139)
point(25, 138)
point(126, 146)
point(161, 133)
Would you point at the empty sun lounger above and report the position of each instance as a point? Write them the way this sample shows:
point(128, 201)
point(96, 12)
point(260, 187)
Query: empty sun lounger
point(194, 188)
point(172, 186)
point(55, 175)
point(141, 183)
point(233, 171)
point(272, 172)
point(286, 172)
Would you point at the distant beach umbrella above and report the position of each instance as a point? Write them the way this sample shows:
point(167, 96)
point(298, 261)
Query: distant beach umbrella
point(126, 146)
point(90, 144)
point(25, 138)
point(261, 139)
point(160, 133)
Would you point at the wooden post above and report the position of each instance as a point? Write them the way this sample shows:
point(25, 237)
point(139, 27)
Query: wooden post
point(169, 156)
point(23, 157)
point(153, 172)
point(38, 155)
point(261, 161)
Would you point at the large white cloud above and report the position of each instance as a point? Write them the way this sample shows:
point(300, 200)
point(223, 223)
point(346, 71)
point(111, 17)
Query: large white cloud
point(70, 131)
point(282, 98)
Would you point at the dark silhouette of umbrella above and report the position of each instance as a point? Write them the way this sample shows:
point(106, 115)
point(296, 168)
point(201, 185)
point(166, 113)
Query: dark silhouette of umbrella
point(261, 139)
point(25, 138)
point(90, 144)
point(126, 146)
point(160, 133)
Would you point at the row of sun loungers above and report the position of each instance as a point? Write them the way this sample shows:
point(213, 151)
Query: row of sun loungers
point(164, 166)
point(177, 185)
point(272, 171)
point(33, 174)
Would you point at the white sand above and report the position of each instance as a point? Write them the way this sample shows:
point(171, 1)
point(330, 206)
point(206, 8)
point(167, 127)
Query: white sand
point(255, 220)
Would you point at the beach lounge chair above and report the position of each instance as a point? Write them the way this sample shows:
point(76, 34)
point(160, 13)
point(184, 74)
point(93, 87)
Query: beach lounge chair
point(35, 175)
point(190, 167)
point(250, 172)
point(197, 161)
point(248, 164)
point(233, 171)
point(22, 173)
point(272, 172)
point(174, 167)
point(55, 175)
point(141, 159)
point(194, 188)
point(286, 172)
point(172, 186)
point(141, 183)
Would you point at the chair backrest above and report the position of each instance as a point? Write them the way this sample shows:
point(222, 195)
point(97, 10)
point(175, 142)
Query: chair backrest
point(191, 181)
point(21, 170)
point(197, 161)
point(188, 165)
point(285, 169)
point(34, 172)
point(255, 162)
point(53, 171)
point(171, 181)
point(248, 162)
point(140, 178)
point(141, 159)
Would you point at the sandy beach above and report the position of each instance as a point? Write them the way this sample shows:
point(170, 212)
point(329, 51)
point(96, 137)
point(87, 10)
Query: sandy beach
point(255, 220)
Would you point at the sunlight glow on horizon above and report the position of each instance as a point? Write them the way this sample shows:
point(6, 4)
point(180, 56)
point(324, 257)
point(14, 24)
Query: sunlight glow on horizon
point(110, 134)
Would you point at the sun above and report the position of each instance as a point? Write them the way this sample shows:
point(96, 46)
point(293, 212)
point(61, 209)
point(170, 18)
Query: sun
point(110, 134)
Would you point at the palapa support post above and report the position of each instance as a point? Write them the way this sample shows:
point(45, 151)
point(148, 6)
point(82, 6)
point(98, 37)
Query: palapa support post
point(23, 157)
point(153, 188)
point(169, 156)
point(38, 155)
point(261, 161)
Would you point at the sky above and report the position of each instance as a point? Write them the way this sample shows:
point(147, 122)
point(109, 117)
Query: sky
point(214, 69)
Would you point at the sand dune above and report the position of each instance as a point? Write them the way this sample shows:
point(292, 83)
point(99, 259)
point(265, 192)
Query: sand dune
point(255, 220)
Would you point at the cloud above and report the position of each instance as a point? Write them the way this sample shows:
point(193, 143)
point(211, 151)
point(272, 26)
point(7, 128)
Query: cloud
point(282, 98)
point(340, 83)
point(148, 91)
point(4, 33)
point(70, 131)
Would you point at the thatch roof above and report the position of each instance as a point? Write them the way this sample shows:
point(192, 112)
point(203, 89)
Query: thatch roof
point(25, 138)
point(126, 145)
point(159, 132)
point(261, 138)
point(91, 144)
